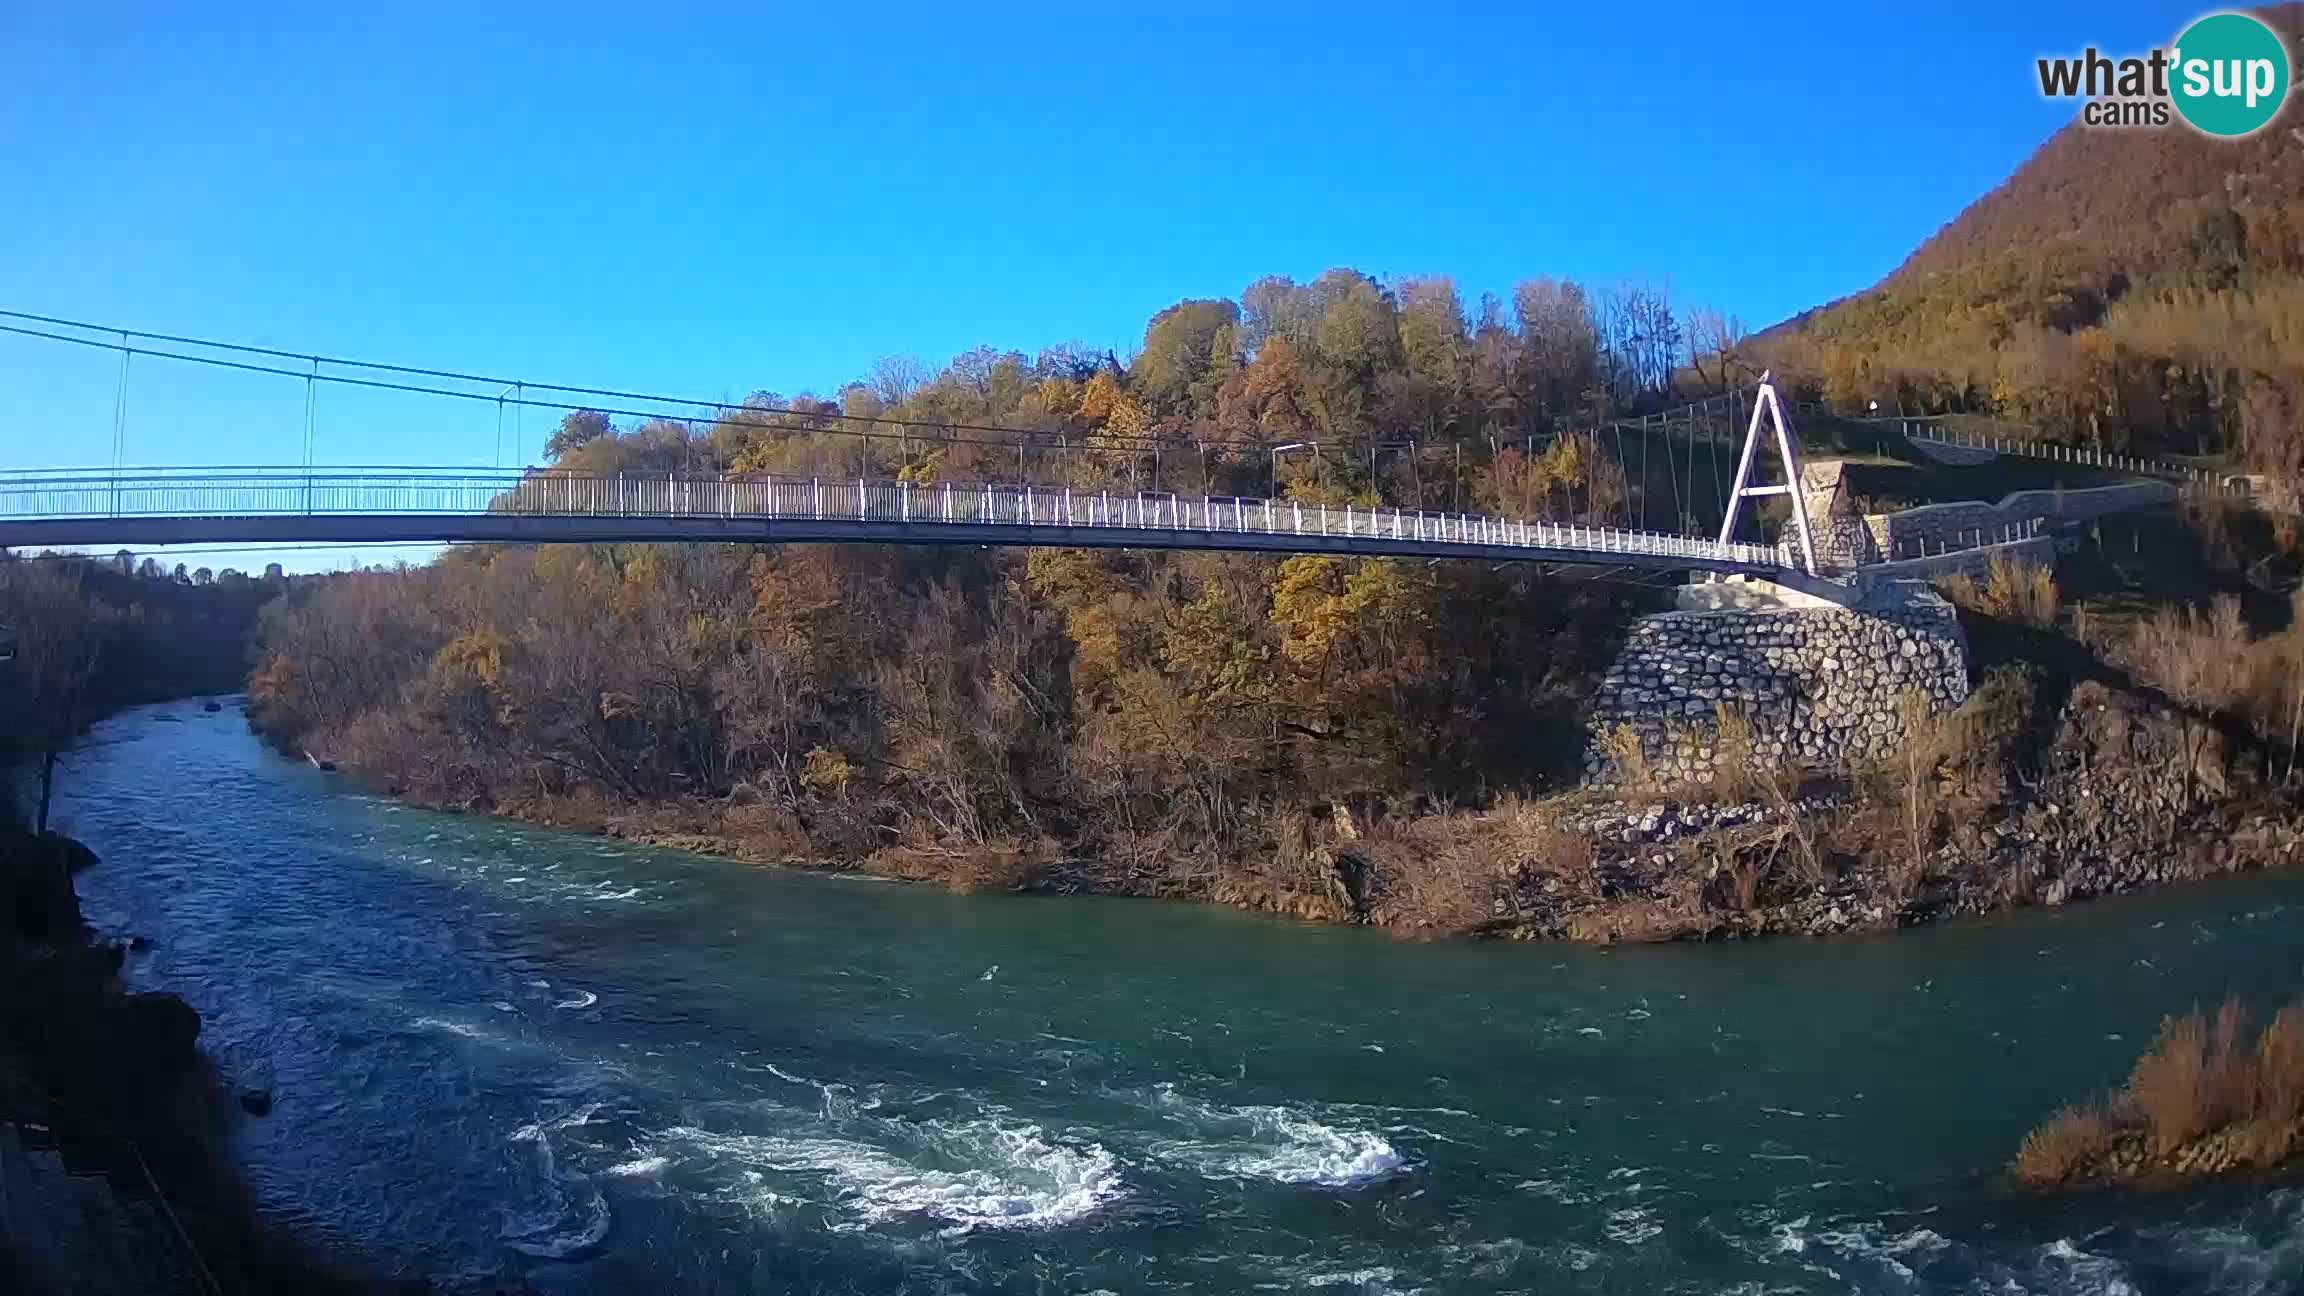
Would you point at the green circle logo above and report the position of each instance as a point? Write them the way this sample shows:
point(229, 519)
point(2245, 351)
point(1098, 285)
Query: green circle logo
point(2228, 74)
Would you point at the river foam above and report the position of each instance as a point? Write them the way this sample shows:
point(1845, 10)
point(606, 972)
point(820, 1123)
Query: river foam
point(1274, 1143)
point(571, 1216)
point(976, 1174)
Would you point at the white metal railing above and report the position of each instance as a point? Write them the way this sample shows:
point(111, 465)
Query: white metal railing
point(402, 492)
point(2081, 456)
point(1964, 538)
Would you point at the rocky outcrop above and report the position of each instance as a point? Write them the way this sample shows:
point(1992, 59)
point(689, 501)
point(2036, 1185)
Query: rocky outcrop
point(114, 1103)
point(2127, 793)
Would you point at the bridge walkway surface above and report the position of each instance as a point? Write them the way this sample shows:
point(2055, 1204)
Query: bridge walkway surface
point(150, 507)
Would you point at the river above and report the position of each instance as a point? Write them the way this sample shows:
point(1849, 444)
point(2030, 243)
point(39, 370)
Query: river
point(505, 1052)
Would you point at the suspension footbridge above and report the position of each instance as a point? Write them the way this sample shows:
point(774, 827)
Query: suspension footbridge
point(453, 505)
point(309, 503)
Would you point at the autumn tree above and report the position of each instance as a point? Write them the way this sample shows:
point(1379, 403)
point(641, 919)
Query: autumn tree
point(61, 636)
point(577, 428)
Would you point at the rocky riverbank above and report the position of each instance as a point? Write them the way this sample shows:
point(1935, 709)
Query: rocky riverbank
point(2114, 791)
point(2125, 793)
point(112, 1126)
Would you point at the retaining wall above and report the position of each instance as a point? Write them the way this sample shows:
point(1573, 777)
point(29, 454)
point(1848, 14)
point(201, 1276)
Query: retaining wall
point(1823, 687)
point(1949, 454)
point(1931, 527)
point(2039, 551)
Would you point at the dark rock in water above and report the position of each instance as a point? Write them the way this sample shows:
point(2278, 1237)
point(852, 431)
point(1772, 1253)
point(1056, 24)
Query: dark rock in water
point(139, 944)
point(36, 896)
point(211, 707)
point(256, 1102)
point(328, 765)
point(163, 1031)
point(75, 856)
point(480, 803)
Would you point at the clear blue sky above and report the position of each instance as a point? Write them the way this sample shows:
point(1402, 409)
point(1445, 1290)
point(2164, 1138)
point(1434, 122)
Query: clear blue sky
point(724, 201)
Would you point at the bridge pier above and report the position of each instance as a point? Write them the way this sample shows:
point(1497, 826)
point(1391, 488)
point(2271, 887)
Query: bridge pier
point(1820, 670)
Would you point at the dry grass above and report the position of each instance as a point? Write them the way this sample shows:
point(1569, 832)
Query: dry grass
point(2193, 1079)
point(2208, 661)
point(2068, 1144)
point(1748, 767)
point(1449, 872)
point(2211, 1094)
point(2012, 590)
point(1002, 864)
point(1745, 767)
point(1628, 760)
point(2280, 1066)
point(1633, 922)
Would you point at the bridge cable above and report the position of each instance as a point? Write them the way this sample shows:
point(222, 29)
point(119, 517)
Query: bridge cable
point(1008, 436)
point(1688, 512)
point(736, 407)
point(1719, 486)
point(497, 459)
point(1620, 470)
point(1672, 475)
point(739, 408)
point(1644, 479)
point(311, 398)
point(120, 412)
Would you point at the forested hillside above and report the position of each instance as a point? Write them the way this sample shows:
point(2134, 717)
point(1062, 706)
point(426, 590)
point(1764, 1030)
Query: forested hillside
point(80, 635)
point(1168, 722)
point(2131, 288)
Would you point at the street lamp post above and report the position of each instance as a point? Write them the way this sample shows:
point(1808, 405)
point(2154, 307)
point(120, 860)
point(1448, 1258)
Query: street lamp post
point(1279, 450)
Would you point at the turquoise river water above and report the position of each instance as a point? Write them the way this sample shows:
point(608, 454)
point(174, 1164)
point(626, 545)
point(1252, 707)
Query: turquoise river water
point(501, 1052)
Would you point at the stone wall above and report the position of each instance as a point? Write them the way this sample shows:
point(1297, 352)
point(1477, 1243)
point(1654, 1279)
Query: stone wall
point(1931, 528)
point(1822, 686)
point(1950, 455)
point(2039, 551)
point(1841, 540)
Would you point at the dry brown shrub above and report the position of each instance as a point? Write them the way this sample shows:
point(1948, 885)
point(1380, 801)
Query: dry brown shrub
point(760, 830)
point(1631, 922)
point(583, 810)
point(2197, 1077)
point(2279, 1092)
point(2012, 590)
point(2264, 1143)
point(2206, 1088)
point(2231, 1087)
point(2070, 1142)
point(2205, 659)
point(2169, 1085)
point(1442, 892)
point(1973, 740)
point(1444, 872)
point(1959, 588)
point(1739, 771)
point(2021, 591)
point(1002, 864)
point(1628, 760)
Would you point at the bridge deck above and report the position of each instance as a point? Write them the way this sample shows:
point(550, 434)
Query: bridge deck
point(147, 508)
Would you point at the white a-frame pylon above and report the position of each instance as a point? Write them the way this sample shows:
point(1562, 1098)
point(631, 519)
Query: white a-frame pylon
point(1768, 403)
